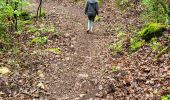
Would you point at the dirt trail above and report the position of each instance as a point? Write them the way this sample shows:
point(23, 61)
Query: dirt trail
point(84, 59)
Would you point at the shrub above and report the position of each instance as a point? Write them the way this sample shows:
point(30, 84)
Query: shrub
point(24, 15)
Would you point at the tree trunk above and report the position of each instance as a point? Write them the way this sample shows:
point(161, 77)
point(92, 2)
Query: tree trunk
point(15, 17)
point(39, 9)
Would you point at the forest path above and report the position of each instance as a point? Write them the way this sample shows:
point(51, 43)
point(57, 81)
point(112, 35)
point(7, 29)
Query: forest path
point(84, 59)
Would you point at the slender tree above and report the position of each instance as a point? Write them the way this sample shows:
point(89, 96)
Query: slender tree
point(39, 9)
point(15, 16)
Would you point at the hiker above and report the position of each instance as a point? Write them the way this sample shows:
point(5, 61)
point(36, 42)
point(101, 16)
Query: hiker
point(91, 11)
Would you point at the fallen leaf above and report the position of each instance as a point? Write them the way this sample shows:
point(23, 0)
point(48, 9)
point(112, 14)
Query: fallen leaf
point(4, 71)
point(41, 85)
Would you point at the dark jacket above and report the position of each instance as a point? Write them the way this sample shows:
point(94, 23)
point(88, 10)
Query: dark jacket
point(91, 8)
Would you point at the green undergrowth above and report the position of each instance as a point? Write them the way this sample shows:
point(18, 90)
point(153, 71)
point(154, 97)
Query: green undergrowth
point(5, 41)
point(152, 30)
point(25, 15)
point(98, 18)
point(39, 40)
point(54, 50)
point(148, 35)
point(152, 35)
point(135, 44)
point(43, 13)
point(117, 46)
point(100, 2)
point(114, 68)
point(42, 32)
point(165, 97)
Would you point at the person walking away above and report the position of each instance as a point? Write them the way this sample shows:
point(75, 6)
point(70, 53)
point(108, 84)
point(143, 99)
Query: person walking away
point(91, 10)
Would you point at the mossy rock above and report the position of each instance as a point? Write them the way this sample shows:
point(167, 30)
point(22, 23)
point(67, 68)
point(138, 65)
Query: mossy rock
point(152, 30)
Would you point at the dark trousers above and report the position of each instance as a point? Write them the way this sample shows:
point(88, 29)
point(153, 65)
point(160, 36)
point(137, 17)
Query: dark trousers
point(92, 18)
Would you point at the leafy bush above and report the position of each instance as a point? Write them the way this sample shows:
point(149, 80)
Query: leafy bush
point(24, 15)
point(155, 11)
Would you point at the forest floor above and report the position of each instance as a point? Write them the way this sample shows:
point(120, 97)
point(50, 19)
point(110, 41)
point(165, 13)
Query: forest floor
point(84, 68)
point(85, 57)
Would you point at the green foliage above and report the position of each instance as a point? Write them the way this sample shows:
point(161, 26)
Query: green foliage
point(135, 44)
point(114, 69)
point(49, 29)
point(155, 45)
point(152, 30)
point(15, 50)
point(116, 48)
point(43, 13)
point(100, 2)
point(148, 36)
point(24, 15)
point(155, 11)
point(97, 18)
point(54, 50)
point(10, 16)
point(5, 38)
point(32, 29)
point(122, 4)
point(22, 24)
point(166, 97)
point(39, 40)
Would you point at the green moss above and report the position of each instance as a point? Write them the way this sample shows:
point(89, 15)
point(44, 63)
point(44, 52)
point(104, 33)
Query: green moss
point(152, 30)
point(39, 40)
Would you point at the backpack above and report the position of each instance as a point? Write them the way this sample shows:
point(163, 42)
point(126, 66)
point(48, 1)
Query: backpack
point(91, 11)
